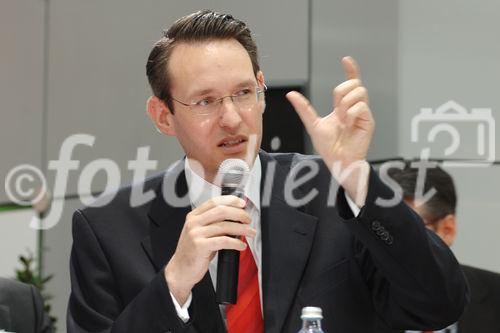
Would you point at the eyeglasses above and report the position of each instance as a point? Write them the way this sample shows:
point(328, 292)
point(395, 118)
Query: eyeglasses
point(244, 100)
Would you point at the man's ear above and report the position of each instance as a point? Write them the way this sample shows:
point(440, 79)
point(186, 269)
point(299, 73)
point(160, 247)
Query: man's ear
point(446, 228)
point(262, 82)
point(161, 116)
point(260, 79)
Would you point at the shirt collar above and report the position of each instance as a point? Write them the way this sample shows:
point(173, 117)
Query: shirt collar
point(200, 190)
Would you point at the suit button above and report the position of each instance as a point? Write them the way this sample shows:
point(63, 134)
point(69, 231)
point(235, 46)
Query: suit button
point(380, 231)
point(376, 225)
point(384, 236)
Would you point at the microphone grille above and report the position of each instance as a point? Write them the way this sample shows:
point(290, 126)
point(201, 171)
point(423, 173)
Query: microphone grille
point(233, 172)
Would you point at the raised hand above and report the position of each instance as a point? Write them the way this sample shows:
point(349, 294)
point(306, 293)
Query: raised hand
point(344, 135)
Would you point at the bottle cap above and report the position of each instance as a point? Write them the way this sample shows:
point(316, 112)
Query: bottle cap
point(311, 312)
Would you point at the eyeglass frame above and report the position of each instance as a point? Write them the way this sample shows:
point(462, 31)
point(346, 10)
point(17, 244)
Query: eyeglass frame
point(219, 100)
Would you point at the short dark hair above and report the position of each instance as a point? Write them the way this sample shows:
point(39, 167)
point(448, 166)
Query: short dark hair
point(202, 26)
point(442, 203)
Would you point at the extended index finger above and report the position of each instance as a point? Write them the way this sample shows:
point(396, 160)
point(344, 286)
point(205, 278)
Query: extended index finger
point(303, 108)
point(351, 68)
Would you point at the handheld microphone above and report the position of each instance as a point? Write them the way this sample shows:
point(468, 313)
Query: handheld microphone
point(234, 174)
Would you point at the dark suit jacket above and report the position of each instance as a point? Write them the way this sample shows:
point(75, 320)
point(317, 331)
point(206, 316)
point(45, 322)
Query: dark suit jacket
point(21, 308)
point(482, 315)
point(383, 266)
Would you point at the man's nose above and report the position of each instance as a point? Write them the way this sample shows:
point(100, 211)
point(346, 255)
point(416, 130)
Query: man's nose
point(230, 116)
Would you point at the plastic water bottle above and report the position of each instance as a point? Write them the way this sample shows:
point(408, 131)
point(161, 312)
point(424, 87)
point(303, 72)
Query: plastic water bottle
point(311, 320)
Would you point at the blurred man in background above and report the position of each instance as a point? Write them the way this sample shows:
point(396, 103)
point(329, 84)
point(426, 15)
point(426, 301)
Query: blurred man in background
point(439, 215)
point(21, 308)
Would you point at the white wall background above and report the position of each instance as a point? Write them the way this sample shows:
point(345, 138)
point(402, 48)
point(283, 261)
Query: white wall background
point(16, 238)
point(21, 84)
point(477, 242)
point(368, 31)
point(412, 55)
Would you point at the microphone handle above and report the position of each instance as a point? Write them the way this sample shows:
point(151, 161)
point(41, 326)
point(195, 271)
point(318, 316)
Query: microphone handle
point(228, 265)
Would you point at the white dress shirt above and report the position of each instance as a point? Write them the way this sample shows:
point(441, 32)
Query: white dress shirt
point(200, 191)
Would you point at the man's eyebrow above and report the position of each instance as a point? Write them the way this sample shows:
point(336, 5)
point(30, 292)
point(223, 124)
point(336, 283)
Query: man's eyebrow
point(246, 83)
point(201, 92)
point(205, 91)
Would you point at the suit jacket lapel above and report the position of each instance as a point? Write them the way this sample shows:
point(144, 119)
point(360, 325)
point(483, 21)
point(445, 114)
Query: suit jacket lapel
point(287, 236)
point(167, 215)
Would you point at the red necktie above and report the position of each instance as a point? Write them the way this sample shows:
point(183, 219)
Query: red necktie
point(246, 316)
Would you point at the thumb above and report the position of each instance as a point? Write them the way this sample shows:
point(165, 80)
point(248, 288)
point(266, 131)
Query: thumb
point(303, 108)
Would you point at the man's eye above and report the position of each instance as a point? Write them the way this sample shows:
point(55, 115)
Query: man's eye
point(205, 102)
point(243, 92)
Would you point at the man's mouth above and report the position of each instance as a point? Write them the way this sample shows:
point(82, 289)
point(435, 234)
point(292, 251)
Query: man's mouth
point(231, 142)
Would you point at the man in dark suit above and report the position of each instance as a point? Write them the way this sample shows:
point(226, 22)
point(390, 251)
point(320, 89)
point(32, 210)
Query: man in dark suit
point(438, 214)
point(21, 308)
point(151, 268)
